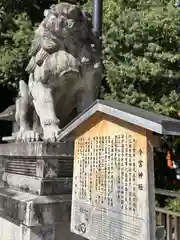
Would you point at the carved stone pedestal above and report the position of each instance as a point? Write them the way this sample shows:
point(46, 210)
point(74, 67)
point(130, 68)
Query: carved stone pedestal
point(35, 202)
point(38, 168)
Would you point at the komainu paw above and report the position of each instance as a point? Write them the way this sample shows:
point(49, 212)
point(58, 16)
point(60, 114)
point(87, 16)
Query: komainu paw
point(51, 133)
point(27, 136)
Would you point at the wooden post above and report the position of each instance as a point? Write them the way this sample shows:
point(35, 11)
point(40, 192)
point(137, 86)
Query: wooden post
point(151, 197)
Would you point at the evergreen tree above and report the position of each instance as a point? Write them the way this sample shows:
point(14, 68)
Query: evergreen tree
point(18, 20)
point(141, 49)
point(142, 53)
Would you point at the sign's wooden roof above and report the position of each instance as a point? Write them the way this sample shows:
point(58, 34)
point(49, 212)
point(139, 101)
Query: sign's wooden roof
point(154, 122)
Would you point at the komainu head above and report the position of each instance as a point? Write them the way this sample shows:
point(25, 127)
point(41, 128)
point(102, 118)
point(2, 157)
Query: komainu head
point(66, 28)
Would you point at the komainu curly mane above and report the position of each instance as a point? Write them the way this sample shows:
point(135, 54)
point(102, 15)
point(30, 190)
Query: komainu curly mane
point(64, 28)
point(64, 73)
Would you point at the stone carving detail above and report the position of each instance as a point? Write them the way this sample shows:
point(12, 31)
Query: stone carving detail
point(64, 74)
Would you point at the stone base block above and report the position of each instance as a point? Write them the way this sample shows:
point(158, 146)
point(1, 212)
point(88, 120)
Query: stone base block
point(38, 186)
point(38, 233)
point(25, 216)
point(9, 230)
point(32, 210)
point(38, 168)
point(12, 231)
point(58, 232)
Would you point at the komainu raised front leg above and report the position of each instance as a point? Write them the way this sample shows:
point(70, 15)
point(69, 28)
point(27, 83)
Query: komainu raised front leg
point(44, 105)
point(23, 115)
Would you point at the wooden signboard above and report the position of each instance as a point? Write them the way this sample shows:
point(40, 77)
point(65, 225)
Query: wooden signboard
point(113, 191)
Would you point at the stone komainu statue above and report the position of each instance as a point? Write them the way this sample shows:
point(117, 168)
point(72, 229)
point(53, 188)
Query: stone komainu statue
point(64, 73)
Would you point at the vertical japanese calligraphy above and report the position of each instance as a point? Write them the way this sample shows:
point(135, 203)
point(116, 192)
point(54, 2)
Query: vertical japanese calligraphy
point(107, 163)
point(109, 185)
point(140, 170)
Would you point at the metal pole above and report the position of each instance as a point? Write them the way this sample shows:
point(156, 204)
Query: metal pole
point(97, 19)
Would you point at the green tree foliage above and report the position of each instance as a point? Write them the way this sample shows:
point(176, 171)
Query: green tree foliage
point(141, 49)
point(142, 53)
point(173, 204)
point(17, 22)
point(13, 51)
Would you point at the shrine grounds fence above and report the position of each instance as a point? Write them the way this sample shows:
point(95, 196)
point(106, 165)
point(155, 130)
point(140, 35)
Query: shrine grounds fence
point(169, 219)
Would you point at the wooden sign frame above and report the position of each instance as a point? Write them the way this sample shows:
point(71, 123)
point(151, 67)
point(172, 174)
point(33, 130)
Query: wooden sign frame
point(113, 182)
